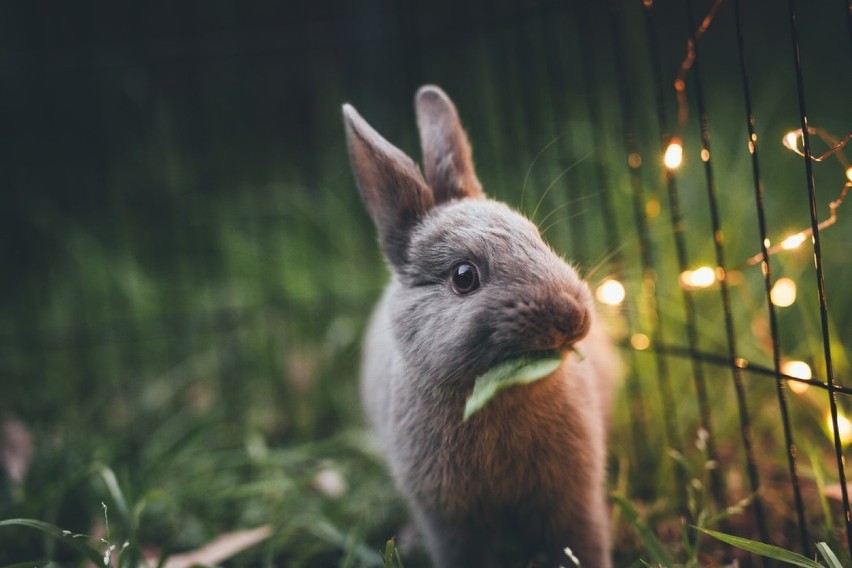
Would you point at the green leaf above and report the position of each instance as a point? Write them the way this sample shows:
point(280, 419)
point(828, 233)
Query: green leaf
point(32, 564)
point(659, 554)
point(62, 536)
point(391, 551)
point(115, 492)
point(761, 549)
point(523, 370)
point(827, 555)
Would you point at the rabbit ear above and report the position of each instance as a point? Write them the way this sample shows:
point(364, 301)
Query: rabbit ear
point(446, 151)
point(392, 187)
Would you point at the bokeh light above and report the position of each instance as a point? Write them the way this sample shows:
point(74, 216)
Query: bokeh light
point(783, 293)
point(611, 292)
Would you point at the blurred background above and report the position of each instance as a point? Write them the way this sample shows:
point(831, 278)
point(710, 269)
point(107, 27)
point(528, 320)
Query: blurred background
point(187, 267)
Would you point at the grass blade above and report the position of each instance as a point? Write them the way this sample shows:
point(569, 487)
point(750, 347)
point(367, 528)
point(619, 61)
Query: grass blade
point(388, 555)
point(115, 492)
point(827, 555)
point(659, 554)
point(762, 549)
point(62, 536)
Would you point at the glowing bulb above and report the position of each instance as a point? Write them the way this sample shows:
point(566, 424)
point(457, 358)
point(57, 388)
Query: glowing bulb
point(793, 241)
point(640, 341)
point(800, 370)
point(844, 427)
point(674, 154)
point(783, 293)
point(849, 173)
point(702, 277)
point(634, 160)
point(791, 140)
point(611, 292)
point(652, 208)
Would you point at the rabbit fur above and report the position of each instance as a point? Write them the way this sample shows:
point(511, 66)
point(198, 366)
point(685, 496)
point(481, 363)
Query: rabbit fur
point(525, 477)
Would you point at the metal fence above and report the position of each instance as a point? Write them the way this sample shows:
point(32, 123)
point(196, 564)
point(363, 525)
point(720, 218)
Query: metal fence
point(687, 85)
point(184, 213)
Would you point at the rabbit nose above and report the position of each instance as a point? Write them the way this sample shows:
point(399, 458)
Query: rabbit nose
point(570, 320)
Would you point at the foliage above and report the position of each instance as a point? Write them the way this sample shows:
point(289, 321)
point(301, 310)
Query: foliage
point(521, 371)
point(188, 268)
point(777, 553)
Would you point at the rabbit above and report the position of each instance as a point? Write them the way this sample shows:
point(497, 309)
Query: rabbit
point(473, 285)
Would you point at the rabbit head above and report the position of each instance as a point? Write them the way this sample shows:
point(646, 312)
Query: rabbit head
point(473, 284)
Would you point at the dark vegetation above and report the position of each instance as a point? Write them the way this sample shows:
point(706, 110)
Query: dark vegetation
point(187, 267)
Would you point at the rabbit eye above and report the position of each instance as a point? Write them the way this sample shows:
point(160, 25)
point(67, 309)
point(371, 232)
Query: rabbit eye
point(465, 278)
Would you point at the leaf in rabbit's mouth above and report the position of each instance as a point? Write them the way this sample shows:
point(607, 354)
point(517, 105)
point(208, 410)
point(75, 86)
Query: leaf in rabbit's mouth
point(523, 370)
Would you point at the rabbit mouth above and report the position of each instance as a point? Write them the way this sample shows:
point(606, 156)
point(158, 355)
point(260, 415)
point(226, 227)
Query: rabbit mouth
point(560, 334)
point(530, 355)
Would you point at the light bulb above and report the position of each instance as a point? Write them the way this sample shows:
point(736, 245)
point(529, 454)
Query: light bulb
point(640, 341)
point(844, 427)
point(783, 293)
point(611, 292)
point(793, 241)
point(673, 157)
point(701, 277)
point(800, 370)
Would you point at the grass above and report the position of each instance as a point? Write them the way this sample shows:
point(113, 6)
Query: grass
point(182, 335)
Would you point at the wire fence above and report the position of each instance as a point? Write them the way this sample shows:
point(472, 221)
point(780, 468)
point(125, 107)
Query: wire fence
point(184, 214)
point(728, 354)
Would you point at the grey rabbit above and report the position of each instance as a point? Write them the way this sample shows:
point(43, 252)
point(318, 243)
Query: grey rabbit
point(473, 285)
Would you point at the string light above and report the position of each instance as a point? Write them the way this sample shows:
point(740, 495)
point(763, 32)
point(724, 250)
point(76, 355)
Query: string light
point(791, 142)
point(673, 157)
point(634, 160)
point(783, 292)
point(702, 277)
point(674, 151)
point(800, 370)
point(652, 208)
point(640, 341)
point(844, 427)
point(610, 292)
point(792, 138)
point(793, 241)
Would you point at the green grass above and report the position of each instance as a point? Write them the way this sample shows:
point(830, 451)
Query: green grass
point(191, 285)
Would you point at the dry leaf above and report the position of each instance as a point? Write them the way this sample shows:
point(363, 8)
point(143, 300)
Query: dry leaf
point(16, 449)
point(221, 548)
point(833, 491)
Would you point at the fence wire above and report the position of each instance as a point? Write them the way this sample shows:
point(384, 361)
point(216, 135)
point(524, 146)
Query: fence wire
point(164, 233)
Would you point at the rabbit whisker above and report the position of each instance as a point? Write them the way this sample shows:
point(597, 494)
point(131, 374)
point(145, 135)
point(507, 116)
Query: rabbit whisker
point(534, 160)
point(560, 220)
point(556, 179)
point(566, 204)
point(607, 259)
